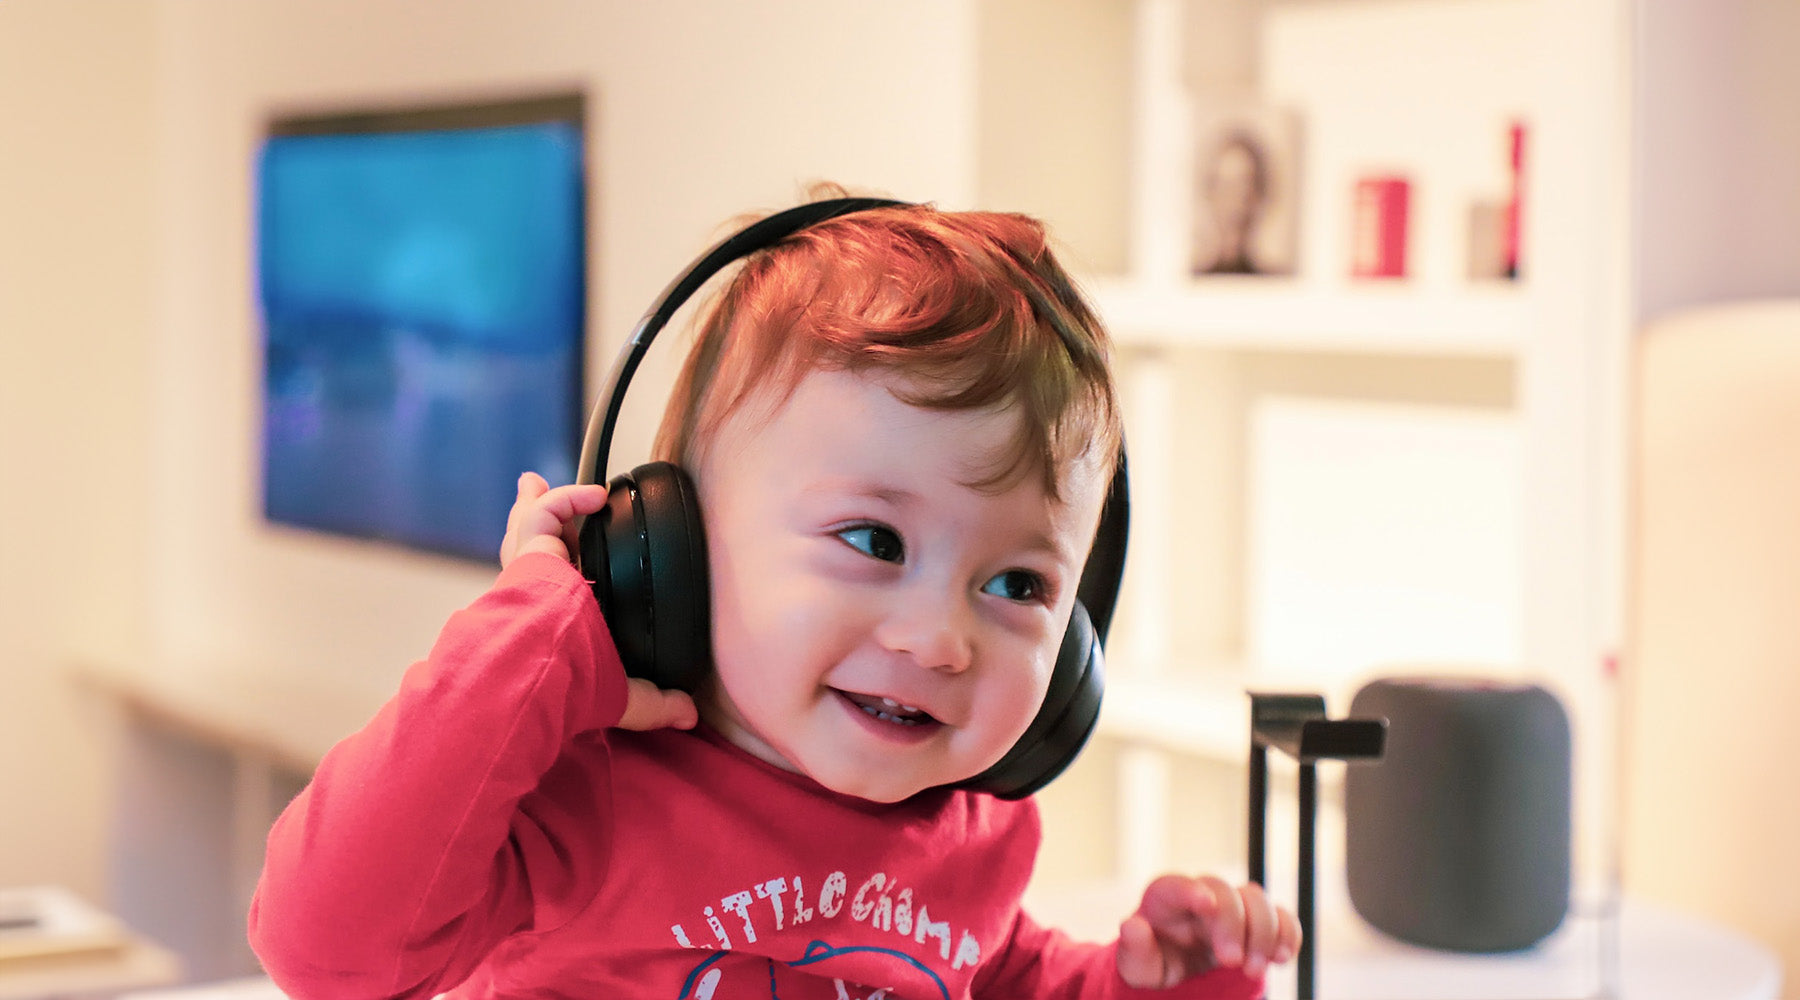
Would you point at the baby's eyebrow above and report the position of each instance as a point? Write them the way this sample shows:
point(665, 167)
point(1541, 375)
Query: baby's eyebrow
point(892, 495)
point(1039, 542)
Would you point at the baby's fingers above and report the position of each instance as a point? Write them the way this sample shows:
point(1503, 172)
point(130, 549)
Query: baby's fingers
point(1181, 908)
point(650, 707)
point(541, 517)
point(1288, 934)
point(1139, 955)
point(530, 487)
point(1188, 925)
point(565, 503)
point(1260, 929)
point(1225, 931)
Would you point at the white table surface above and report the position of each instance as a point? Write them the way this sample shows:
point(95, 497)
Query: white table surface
point(1662, 954)
point(136, 965)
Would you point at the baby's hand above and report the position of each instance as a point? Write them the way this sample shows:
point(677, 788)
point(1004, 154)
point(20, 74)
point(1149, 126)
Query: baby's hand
point(543, 520)
point(1188, 926)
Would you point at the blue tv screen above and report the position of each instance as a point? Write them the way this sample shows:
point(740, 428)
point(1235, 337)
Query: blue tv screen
point(422, 282)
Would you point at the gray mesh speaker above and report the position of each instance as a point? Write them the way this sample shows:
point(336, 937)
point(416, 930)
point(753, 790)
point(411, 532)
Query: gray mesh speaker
point(1460, 839)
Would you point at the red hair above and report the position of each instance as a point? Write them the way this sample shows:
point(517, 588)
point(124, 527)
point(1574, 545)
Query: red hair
point(953, 310)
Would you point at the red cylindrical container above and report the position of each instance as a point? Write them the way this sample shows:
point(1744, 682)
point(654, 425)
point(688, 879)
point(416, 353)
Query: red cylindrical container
point(1378, 229)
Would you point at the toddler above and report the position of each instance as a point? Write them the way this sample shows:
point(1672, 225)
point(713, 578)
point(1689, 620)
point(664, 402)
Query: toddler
point(901, 463)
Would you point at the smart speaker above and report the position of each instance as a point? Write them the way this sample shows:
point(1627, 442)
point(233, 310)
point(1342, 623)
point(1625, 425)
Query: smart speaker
point(1460, 839)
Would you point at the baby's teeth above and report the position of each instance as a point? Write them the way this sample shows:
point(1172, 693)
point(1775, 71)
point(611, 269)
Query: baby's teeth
point(891, 703)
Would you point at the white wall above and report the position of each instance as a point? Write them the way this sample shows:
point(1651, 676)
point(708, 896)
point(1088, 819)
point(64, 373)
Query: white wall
point(130, 365)
point(1054, 141)
point(1717, 152)
point(76, 282)
point(699, 111)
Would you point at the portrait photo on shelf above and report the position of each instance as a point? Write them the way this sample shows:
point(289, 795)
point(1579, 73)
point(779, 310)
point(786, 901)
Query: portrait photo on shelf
point(1246, 179)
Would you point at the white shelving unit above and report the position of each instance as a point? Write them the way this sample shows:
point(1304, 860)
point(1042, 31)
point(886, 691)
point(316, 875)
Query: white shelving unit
point(1426, 88)
point(1265, 314)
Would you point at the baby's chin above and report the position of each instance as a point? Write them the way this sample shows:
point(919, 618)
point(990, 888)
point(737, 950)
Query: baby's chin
point(838, 772)
point(872, 788)
point(870, 784)
point(831, 772)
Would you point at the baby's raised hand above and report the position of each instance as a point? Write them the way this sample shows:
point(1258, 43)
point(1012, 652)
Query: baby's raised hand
point(543, 520)
point(1187, 926)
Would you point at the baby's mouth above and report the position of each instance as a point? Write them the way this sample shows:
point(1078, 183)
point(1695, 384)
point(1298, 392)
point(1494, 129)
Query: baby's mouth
point(889, 710)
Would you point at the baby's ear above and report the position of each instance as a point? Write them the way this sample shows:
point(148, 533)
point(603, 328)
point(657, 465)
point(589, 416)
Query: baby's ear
point(1103, 571)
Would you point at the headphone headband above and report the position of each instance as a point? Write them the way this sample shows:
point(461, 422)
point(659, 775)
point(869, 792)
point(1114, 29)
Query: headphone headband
point(596, 445)
point(1099, 595)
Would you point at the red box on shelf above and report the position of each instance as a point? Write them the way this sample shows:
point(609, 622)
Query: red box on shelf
point(1378, 229)
point(1514, 202)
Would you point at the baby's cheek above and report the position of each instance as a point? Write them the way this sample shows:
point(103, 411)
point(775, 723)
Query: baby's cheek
point(1025, 695)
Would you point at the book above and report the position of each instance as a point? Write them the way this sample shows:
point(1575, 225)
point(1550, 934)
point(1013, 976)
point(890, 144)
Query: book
point(51, 920)
point(248, 988)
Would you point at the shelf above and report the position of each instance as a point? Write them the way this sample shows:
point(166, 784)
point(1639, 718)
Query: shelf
point(1277, 314)
point(243, 707)
point(1199, 710)
point(1205, 717)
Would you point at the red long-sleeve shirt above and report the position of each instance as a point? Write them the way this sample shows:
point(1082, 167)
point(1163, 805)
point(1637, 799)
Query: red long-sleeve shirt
point(488, 834)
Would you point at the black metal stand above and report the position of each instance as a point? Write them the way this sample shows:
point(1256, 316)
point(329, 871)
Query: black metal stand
point(1296, 725)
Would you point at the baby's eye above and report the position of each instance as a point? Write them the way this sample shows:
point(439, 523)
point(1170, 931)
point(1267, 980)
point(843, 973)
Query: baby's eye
point(1016, 585)
point(874, 540)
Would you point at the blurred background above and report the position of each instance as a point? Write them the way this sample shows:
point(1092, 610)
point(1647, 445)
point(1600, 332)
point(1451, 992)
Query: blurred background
point(1493, 382)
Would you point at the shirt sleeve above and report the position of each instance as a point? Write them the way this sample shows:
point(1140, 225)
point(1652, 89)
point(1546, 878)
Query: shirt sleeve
point(1044, 963)
point(437, 830)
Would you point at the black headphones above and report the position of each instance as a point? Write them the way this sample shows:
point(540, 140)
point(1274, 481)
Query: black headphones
point(645, 551)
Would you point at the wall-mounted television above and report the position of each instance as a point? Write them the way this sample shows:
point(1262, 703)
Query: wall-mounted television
point(422, 280)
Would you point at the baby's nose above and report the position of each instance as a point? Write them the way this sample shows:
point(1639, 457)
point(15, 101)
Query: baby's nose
point(933, 627)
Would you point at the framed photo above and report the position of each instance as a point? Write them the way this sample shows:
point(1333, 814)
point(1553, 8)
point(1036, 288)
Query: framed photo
point(1246, 190)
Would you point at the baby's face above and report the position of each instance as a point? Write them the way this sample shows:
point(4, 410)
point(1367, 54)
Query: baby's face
point(878, 624)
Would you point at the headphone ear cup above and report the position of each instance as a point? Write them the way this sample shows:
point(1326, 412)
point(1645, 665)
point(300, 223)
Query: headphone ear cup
point(646, 553)
point(680, 585)
point(1065, 720)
